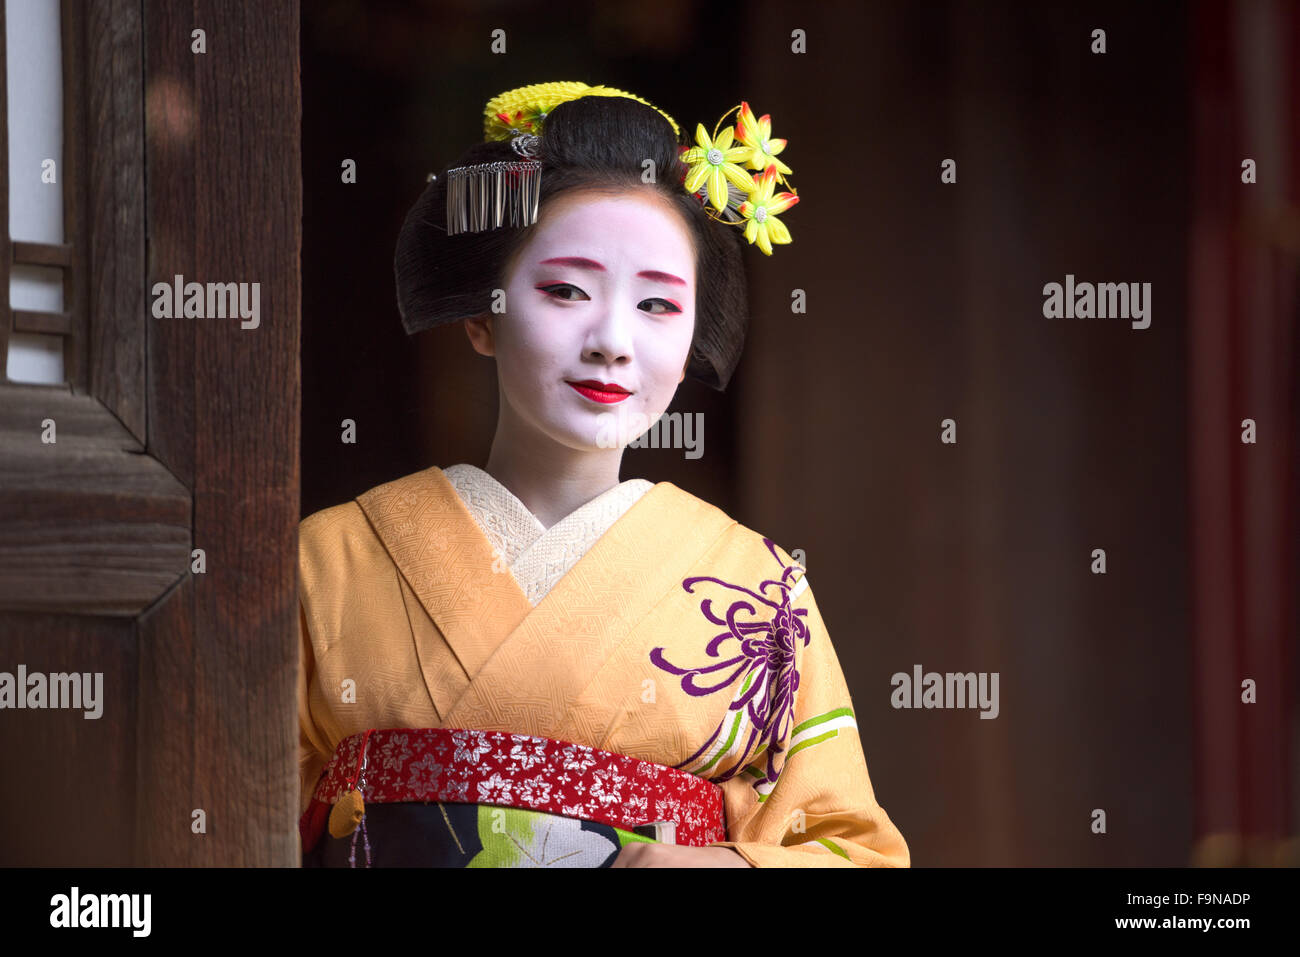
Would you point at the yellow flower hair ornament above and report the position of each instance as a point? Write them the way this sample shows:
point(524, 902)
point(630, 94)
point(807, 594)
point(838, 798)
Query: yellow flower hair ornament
point(717, 171)
point(716, 176)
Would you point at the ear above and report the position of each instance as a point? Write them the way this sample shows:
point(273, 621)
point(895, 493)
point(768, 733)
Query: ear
point(479, 330)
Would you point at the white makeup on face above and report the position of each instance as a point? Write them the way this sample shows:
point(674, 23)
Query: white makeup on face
point(604, 291)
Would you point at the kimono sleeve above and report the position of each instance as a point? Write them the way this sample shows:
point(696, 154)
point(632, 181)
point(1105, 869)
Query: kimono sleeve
point(822, 810)
point(313, 750)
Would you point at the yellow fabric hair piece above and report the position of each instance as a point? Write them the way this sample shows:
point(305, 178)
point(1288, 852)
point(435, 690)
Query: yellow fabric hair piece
point(525, 107)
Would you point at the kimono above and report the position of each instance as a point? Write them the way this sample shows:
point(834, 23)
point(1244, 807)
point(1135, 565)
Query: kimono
point(647, 623)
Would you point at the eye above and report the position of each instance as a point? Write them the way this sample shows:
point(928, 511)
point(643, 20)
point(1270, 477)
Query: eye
point(668, 309)
point(550, 290)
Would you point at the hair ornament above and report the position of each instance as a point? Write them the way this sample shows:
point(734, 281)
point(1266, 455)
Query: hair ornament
point(716, 177)
point(718, 168)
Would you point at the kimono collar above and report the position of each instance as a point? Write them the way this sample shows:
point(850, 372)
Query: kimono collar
point(537, 556)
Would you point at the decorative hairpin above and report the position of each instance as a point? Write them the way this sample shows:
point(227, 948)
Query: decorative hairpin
point(486, 196)
point(489, 195)
point(715, 175)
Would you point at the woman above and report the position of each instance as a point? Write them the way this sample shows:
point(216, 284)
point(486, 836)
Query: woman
point(535, 664)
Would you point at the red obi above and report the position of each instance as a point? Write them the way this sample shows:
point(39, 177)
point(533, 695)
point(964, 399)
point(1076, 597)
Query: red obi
point(516, 770)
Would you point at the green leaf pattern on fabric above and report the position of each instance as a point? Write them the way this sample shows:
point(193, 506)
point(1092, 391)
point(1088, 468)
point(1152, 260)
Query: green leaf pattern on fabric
point(519, 837)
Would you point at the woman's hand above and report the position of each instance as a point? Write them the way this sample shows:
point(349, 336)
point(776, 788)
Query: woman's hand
point(641, 854)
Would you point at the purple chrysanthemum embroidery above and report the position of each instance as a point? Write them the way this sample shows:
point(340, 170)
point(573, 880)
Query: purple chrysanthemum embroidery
point(760, 639)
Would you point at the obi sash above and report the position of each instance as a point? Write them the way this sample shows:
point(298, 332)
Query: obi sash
point(461, 797)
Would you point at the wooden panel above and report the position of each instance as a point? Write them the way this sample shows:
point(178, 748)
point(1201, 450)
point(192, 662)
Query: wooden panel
point(87, 523)
point(174, 772)
point(172, 130)
point(111, 267)
point(224, 205)
point(42, 254)
point(6, 246)
point(925, 302)
point(73, 803)
point(78, 418)
point(1242, 325)
point(52, 323)
point(72, 172)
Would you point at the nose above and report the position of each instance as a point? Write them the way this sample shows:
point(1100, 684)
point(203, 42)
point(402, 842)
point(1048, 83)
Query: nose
point(609, 338)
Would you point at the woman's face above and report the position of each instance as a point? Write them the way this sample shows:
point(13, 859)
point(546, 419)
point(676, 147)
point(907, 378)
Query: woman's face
point(603, 292)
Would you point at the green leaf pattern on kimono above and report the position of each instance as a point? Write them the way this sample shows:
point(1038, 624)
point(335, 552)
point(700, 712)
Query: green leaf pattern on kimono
point(519, 837)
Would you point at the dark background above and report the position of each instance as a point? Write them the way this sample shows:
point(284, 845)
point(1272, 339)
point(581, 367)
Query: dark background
point(925, 303)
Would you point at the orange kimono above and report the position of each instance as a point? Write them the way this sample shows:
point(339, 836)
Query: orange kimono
point(647, 623)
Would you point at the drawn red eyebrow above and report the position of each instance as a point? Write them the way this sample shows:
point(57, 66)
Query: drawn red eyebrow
point(667, 277)
point(580, 262)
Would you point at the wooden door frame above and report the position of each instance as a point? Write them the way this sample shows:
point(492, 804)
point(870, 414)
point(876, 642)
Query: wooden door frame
point(173, 435)
point(217, 720)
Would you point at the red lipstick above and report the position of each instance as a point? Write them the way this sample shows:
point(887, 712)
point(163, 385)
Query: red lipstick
point(598, 391)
